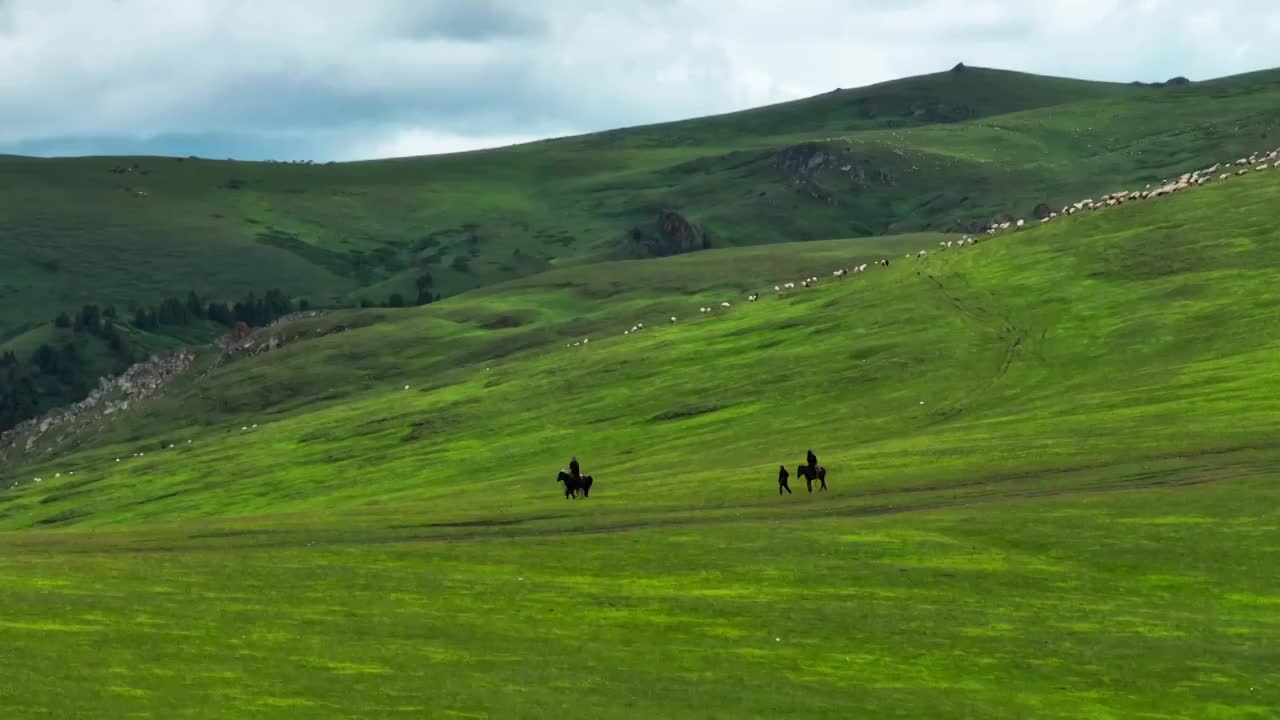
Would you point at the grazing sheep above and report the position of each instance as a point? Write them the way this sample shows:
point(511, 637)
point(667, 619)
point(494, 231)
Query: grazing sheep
point(673, 319)
point(724, 304)
point(922, 253)
point(1020, 223)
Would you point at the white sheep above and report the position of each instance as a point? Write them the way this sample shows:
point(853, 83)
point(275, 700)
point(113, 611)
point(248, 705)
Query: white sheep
point(922, 253)
point(1020, 223)
point(724, 304)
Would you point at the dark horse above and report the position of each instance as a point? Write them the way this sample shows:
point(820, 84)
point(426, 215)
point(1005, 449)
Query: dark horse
point(811, 473)
point(572, 485)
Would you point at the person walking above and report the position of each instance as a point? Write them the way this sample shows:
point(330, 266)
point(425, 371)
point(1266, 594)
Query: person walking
point(782, 479)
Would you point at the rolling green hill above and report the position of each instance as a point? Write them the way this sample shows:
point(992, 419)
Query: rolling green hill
point(1052, 468)
point(936, 152)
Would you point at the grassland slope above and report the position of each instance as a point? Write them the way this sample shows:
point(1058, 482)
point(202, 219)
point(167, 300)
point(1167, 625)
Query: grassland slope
point(935, 152)
point(1052, 467)
point(1144, 332)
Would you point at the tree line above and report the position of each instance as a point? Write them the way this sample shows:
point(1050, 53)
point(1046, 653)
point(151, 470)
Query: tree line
point(66, 370)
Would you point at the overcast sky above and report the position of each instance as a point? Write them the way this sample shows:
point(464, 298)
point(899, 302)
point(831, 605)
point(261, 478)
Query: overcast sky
point(341, 80)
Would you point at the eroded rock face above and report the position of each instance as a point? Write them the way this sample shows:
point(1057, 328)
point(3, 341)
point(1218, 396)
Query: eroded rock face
point(113, 396)
point(809, 164)
point(670, 234)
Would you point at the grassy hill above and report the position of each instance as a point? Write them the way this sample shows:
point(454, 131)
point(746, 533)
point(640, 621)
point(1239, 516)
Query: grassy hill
point(1051, 456)
point(928, 153)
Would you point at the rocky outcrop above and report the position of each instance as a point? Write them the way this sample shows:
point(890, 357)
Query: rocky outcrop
point(113, 397)
point(670, 234)
point(1042, 211)
point(243, 342)
point(817, 169)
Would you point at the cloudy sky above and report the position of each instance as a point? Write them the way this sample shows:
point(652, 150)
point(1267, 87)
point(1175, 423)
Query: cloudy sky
point(342, 80)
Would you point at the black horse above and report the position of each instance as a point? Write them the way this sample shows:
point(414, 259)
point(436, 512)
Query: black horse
point(811, 473)
point(574, 485)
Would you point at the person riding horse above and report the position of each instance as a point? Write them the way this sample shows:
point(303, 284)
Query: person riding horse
point(813, 459)
point(573, 467)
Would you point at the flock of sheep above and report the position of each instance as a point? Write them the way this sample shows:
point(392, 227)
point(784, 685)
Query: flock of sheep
point(1256, 162)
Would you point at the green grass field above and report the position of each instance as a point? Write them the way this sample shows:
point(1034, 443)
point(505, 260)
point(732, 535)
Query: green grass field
point(1053, 487)
point(917, 154)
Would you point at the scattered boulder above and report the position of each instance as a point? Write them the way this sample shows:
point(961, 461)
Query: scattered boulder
point(1042, 211)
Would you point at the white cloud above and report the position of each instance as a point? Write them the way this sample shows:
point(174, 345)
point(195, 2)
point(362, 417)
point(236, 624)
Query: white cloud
point(409, 142)
point(383, 76)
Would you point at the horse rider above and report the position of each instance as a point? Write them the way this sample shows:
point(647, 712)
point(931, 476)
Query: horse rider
point(574, 470)
point(813, 460)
